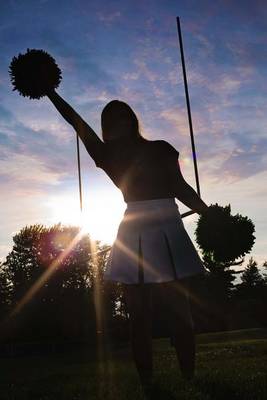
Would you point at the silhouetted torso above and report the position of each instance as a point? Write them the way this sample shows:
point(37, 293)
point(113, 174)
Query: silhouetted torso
point(142, 169)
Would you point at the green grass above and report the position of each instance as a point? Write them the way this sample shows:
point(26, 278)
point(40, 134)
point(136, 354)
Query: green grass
point(230, 366)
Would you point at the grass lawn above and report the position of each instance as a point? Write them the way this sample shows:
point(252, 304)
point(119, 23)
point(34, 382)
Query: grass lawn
point(230, 366)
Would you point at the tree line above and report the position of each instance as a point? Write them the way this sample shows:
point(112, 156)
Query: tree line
point(52, 289)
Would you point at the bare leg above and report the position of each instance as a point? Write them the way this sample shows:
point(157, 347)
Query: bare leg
point(184, 343)
point(138, 302)
point(182, 327)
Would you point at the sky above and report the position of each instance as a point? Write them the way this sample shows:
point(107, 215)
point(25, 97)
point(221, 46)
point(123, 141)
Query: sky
point(128, 50)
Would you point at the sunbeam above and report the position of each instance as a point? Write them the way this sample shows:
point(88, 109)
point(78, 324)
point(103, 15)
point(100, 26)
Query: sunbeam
point(45, 276)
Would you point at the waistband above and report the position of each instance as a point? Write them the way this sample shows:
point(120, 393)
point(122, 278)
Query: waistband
point(152, 204)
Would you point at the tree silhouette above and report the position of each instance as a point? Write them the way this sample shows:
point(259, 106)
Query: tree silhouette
point(211, 293)
point(70, 270)
point(250, 297)
point(63, 307)
point(251, 277)
point(63, 304)
point(5, 291)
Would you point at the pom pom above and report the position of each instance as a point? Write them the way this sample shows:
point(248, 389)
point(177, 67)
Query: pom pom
point(34, 73)
point(227, 237)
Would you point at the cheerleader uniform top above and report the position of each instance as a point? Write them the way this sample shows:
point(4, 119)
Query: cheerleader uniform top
point(142, 169)
point(152, 244)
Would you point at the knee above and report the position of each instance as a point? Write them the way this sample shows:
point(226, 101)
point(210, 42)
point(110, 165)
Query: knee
point(183, 326)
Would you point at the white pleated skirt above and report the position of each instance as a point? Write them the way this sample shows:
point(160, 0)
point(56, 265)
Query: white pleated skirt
point(152, 245)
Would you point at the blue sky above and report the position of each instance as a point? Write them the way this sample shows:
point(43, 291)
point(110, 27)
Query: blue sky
point(128, 50)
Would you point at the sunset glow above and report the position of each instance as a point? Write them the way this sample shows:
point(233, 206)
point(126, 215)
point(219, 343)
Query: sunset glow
point(130, 52)
point(100, 216)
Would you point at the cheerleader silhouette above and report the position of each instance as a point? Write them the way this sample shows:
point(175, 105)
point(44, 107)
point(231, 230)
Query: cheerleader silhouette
point(152, 248)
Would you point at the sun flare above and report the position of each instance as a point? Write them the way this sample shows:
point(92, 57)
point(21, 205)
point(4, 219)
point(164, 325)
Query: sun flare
point(100, 217)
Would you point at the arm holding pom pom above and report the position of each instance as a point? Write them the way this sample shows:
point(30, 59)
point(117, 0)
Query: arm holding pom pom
point(187, 195)
point(91, 141)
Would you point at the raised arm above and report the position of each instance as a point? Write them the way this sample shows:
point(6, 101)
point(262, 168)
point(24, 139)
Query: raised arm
point(187, 195)
point(91, 141)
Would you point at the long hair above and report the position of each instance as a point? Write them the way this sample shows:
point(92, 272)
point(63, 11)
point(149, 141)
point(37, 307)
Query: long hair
point(111, 113)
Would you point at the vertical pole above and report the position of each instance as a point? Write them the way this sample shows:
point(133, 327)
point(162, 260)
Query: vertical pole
point(188, 104)
point(79, 172)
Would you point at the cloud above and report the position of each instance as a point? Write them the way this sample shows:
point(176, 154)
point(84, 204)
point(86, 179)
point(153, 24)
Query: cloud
point(145, 71)
point(5, 115)
point(28, 170)
point(34, 156)
point(251, 53)
point(131, 76)
point(108, 18)
point(177, 117)
point(248, 158)
point(225, 84)
point(93, 94)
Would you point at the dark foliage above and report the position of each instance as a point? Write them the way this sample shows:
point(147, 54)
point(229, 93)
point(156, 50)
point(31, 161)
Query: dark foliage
point(34, 73)
point(72, 302)
point(55, 260)
point(76, 304)
point(211, 295)
point(250, 297)
point(5, 290)
point(227, 237)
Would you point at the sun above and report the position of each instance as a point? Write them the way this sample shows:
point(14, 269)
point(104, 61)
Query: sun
point(100, 217)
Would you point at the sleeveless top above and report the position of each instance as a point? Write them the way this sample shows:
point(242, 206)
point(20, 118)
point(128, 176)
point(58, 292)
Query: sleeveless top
point(142, 169)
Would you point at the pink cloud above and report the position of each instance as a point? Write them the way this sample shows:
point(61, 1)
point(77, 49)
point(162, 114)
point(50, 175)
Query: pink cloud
point(178, 118)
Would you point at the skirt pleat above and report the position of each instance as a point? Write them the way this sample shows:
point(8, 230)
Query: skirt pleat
point(152, 245)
